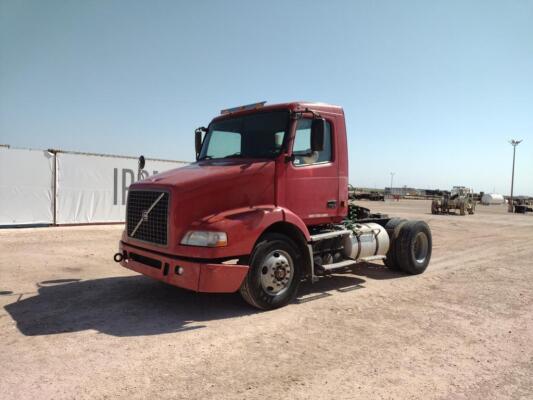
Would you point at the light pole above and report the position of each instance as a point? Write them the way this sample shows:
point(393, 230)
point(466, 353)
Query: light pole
point(514, 143)
point(391, 179)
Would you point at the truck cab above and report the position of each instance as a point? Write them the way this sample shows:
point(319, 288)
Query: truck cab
point(264, 207)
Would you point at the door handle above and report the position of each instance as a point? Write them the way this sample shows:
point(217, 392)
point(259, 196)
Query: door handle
point(332, 203)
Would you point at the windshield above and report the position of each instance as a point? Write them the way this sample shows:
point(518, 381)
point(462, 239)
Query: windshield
point(258, 135)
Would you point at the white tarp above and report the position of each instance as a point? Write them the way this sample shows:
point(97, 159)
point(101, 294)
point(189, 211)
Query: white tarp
point(26, 187)
point(93, 188)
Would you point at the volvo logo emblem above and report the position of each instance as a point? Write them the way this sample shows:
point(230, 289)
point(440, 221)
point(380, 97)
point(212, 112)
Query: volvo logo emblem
point(145, 214)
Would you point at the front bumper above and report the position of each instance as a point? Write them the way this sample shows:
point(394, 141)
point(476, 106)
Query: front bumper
point(196, 276)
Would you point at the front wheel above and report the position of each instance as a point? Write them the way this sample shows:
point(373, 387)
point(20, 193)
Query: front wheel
point(275, 273)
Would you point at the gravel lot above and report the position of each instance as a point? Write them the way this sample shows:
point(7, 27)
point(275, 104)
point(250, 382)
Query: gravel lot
point(76, 325)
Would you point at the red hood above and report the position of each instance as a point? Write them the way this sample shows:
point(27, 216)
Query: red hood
point(215, 173)
point(206, 188)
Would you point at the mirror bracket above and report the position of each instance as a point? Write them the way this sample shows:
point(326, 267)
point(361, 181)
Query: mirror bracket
point(290, 158)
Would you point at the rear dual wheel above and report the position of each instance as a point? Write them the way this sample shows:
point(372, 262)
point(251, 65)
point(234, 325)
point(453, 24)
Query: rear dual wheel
point(410, 246)
point(393, 229)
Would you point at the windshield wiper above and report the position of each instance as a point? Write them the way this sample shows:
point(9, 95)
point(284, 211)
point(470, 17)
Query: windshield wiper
point(205, 158)
point(234, 155)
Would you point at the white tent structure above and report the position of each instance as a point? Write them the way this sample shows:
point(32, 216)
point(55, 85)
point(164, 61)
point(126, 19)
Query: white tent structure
point(492, 198)
point(26, 186)
point(55, 187)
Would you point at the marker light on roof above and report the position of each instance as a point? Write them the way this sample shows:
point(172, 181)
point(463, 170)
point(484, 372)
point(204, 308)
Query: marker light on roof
point(253, 106)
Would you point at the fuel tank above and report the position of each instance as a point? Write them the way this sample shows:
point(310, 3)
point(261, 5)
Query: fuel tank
point(368, 240)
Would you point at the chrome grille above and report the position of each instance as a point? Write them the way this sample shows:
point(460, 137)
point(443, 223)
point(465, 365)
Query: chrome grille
point(145, 220)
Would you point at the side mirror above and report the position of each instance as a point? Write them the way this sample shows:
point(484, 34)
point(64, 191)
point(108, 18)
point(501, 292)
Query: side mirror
point(142, 162)
point(198, 140)
point(318, 127)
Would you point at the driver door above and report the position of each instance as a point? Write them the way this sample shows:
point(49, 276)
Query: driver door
point(312, 183)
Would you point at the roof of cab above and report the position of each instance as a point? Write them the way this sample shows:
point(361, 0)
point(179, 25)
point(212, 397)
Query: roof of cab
point(291, 106)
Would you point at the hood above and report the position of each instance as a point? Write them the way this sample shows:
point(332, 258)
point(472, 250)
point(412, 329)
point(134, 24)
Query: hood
point(199, 174)
point(212, 186)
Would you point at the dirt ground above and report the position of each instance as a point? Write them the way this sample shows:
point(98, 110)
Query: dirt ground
point(74, 324)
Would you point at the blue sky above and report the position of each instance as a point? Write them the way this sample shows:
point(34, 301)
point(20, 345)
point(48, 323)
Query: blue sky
point(432, 90)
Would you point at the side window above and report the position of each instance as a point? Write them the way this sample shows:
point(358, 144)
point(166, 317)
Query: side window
point(223, 143)
point(302, 145)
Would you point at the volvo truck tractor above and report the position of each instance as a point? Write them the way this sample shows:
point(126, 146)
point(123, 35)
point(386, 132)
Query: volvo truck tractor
point(263, 208)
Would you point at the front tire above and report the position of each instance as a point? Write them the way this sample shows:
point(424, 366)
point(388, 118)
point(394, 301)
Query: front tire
point(275, 273)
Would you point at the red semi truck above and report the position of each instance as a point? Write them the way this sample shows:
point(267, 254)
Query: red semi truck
point(264, 207)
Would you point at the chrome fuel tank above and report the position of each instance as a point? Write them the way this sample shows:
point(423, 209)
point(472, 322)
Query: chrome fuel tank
point(368, 241)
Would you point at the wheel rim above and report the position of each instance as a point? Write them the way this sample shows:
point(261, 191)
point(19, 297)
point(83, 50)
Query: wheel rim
point(421, 247)
point(277, 272)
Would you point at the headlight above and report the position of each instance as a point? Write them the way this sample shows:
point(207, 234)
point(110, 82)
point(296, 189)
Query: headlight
point(205, 239)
